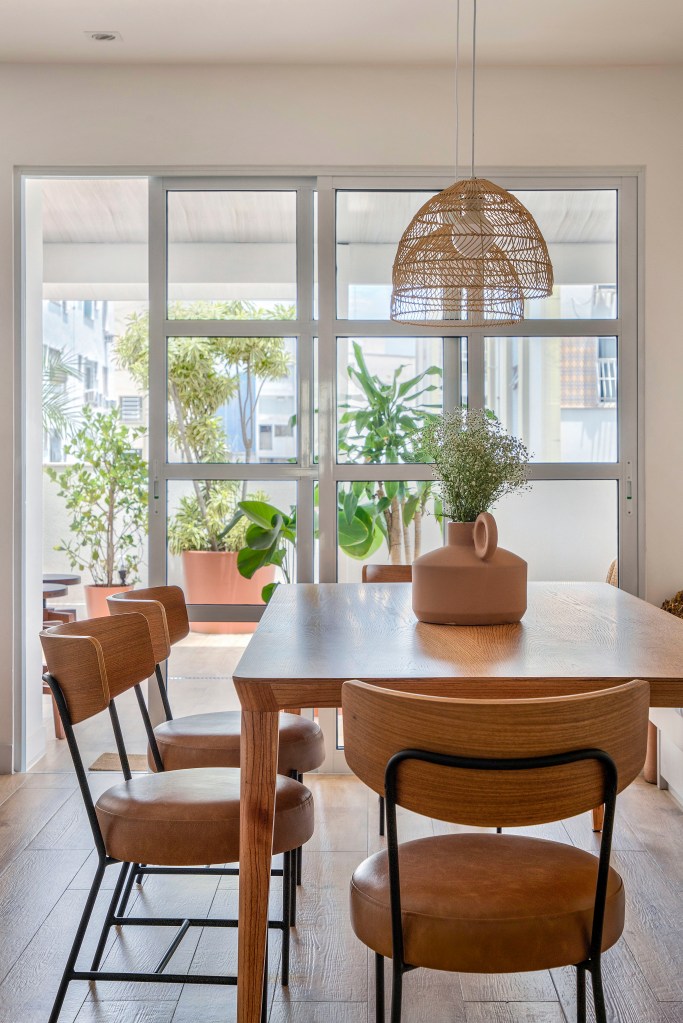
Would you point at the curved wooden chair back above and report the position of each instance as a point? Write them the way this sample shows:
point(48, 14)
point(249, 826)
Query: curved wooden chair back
point(379, 723)
point(96, 660)
point(613, 573)
point(166, 628)
point(387, 573)
point(154, 612)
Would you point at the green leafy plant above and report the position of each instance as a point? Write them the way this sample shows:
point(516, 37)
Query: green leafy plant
point(270, 539)
point(105, 489)
point(475, 461)
point(60, 411)
point(190, 530)
point(204, 374)
point(381, 425)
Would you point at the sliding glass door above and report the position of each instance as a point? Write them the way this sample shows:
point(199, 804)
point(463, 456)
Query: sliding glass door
point(279, 385)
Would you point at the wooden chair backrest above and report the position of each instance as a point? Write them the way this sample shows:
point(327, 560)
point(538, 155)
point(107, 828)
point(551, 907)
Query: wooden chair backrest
point(172, 600)
point(96, 660)
point(387, 573)
point(380, 722)
point(153, 610)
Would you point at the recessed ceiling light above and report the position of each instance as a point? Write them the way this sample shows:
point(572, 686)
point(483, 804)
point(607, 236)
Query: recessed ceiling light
point(104, 37)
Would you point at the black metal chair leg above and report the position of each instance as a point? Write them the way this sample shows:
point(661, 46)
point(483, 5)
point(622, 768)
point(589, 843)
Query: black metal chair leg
point(111, 913)
point(288, 862)
point(381, 816)
point(581, 993)
point(78, 941)
point(598, 994)
point(127, 890)
point(379, 988)
point(292, 891)
point(396, 992)
point(300, 851)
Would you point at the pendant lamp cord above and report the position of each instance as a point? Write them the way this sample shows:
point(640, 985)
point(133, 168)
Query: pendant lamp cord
point(457, 79)
point(474, 60)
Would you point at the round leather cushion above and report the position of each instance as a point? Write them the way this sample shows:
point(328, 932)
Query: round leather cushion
point(486, 903)
point(213, 740)
point(191, 818)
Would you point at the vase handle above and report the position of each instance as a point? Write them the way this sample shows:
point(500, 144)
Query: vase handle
point(485, 536)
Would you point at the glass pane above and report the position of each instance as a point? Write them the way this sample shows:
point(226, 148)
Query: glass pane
point(559, 395)
point(231, 399)
point(94, 399)
point(231, 255)
point(580, 229)
point(200, 670)
point(316, 402)
point(386, 390)
point(383, 522)
point(565, 529)
point(369, 228)
point(315, 255)
point(202, 557)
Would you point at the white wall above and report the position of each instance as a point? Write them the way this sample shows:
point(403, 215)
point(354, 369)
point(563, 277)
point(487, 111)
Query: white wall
point(212, 117)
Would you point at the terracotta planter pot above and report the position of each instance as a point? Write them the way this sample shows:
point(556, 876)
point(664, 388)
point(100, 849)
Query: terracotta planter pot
point(470, 581)
point(96, 599)
point(211, 577)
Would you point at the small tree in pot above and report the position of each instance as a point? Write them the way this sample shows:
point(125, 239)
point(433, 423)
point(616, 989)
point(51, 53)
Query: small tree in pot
point(105, 490)
point(205, 374)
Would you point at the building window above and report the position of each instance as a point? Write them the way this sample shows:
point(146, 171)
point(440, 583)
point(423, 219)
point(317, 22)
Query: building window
point(130, 407)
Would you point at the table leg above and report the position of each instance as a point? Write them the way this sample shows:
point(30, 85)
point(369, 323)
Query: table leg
point(650, 769)
point(259, 750)
point(598, 817)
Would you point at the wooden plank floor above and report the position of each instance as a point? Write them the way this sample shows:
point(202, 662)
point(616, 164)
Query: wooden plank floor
point(46, 864)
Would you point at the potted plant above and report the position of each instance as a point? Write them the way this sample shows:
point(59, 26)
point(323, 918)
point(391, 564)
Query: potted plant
point(471, 580)
point(204, 375)
point(381, 425)
point(475, 461)
point(104, 487)
point(210, 550)
point(269, 541)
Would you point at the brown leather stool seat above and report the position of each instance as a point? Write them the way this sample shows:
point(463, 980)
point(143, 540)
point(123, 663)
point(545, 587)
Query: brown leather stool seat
point(193, 817)
point(486, 903)
point(213, 740)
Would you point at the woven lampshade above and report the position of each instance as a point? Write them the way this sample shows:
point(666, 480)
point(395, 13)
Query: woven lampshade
point(470, 256)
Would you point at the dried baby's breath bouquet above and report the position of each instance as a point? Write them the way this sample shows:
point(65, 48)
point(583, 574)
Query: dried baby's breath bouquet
point(476, 461)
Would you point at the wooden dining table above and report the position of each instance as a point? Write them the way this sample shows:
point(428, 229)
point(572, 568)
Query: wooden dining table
point(574, 637)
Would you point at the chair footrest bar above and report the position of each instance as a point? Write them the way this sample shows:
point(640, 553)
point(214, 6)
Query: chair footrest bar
point(220, 871)
point(168, 954)
point(159, 921)
point(152, 978)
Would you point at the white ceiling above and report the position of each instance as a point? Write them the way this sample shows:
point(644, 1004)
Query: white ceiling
point(511, 32)
point(109, 211)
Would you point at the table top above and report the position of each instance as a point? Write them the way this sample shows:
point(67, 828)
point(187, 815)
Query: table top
point(62, 578)
point(53, 589)
point(313, 637)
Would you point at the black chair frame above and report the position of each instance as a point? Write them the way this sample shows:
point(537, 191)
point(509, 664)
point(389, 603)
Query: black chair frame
point(117, 907)
point(593, 963)
point(291, 869)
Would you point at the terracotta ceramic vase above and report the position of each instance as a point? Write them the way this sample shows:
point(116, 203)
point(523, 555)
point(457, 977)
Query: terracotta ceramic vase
point(470, 581)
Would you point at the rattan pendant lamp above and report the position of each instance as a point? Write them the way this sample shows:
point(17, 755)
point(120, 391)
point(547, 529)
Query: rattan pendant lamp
point(472, 253)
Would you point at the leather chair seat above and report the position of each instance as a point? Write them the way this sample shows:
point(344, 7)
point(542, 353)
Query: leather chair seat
point(192, 818)
point(213, 740)
point(486, 903)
